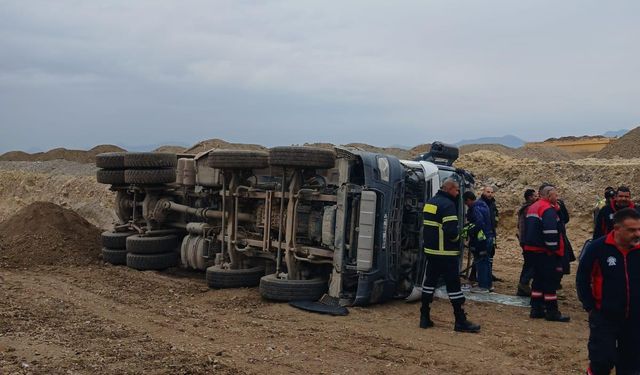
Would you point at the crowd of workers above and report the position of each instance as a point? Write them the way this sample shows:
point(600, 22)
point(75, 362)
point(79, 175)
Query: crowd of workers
point(607, 279)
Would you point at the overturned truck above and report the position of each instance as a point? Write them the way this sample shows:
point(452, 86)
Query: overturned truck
point(300, 222)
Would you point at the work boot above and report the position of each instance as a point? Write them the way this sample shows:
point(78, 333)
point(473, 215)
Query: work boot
point(464, 325)
point(553, 313)
point(425, 318)
point(556, 316)
point(537, 309)
point(537, 313)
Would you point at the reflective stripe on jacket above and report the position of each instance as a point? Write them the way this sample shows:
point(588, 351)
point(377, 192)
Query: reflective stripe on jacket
point(542, 229)
point(440, 226)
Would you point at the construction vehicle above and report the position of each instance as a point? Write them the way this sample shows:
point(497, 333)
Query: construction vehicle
point(298, 222)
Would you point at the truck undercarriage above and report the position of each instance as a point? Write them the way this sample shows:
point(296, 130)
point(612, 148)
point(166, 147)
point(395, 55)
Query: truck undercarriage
point(299, 222)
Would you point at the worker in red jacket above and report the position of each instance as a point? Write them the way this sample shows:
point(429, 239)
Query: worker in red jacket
point(544, 249)
point(608, 285)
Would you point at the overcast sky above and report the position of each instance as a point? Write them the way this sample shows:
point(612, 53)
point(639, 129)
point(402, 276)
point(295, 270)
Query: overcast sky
point(80, 73)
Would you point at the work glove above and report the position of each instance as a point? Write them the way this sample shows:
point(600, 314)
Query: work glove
point(465, 230)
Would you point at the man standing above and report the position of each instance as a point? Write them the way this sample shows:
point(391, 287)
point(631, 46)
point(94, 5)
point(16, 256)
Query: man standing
point(441, 248)
point(524, 289)
point(604, 220)
point(544, 248)
point(488, 197)
point(608, 285)
point(479, 224)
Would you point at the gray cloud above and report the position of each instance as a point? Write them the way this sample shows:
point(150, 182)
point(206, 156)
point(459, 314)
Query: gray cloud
point(278, 72)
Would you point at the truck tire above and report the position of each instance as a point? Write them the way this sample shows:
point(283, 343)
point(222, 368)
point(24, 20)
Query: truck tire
point(304, 157)
point(138, 244)
point(110, 160)
point(110, 177)
point(285, 290)
point(114, 256)
point(144, 262)
point(150, 160)
point(238, 159)
point(219, 278)
point(149, 176)
point(115, 240)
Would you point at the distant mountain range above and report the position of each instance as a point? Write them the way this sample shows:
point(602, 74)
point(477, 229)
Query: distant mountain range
point(616, 133)
point(507, 140)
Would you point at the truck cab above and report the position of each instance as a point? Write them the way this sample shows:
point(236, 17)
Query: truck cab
point(382, 257)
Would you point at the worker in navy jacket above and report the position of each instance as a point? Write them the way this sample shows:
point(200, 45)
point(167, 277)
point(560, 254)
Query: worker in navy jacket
point(441, 246)
point(479, 218)
point(608, 285)
point(544, 249)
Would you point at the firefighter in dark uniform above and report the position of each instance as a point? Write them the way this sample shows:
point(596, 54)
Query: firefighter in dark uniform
point(441, 247)
point(544, 250)
point(608, 285)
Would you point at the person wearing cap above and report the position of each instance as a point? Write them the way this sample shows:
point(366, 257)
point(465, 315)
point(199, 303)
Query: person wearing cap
point(609, 193)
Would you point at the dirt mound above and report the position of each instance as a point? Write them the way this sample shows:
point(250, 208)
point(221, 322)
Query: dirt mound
point(573, 138)
point(79, 156)
point(627, 146)
point(397, 152)
point(44, 233)
point(219, 143)
point(169, 148)
point(419, 150)
point(467, 149)
point(543, 153)
point(326, 146)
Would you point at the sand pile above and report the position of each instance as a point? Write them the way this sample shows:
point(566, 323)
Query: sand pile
point(467, 149)
point(219, 143)
point(397, 152)
point(170, 148)
point(44, 233)
point(544, 153)
point(68, 184)
point(627, 146)
point(79, 156)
